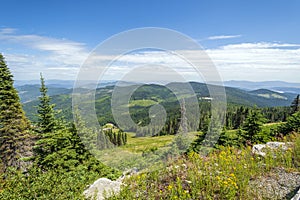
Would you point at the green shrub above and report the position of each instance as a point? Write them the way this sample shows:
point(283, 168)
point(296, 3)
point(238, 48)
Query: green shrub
point(52, 184)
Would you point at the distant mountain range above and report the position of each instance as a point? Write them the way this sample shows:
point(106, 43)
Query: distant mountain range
point(64, 83)
point(29, 93)
point(278, 86)
point(151, 94)
point(49, 83)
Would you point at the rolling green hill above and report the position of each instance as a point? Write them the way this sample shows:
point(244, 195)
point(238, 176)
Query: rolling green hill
point(147, 95)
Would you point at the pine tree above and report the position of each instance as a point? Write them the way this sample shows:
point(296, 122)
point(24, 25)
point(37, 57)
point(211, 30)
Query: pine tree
point(46, 117)
point(119, 139)
point(14, 126)
point(253, 125)
point(292, 124)
point(77, 134)
point(114, 138)
point(45, 125)
point(52, 135)
point(124, 137)
point(296, 105)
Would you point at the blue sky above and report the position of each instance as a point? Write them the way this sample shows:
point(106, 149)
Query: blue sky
point(247, 40)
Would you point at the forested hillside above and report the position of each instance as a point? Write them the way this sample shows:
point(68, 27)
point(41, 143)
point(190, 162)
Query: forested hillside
point(239, 103)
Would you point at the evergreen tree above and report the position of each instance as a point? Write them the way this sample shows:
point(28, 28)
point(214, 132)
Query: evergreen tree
point(14, 126)
point(46, 117)
point(292, 124)
point(76, 141)
point(124, 138)
point(114, 138)
point(119, 139)
point(77, 135)
point(296, 105)
point(52, 135)
point(252, 125)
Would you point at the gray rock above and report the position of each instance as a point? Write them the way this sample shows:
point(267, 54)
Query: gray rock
point(277, 145)
point(259, 149)
point(278, 185)
point(102, 188)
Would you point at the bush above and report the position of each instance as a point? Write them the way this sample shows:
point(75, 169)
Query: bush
point(53, 184)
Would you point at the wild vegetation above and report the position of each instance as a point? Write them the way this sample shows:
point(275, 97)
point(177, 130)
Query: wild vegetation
point(47, 157)
point(223, 174)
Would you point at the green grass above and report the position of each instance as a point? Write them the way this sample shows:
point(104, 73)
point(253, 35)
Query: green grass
point(223, 174)
point(140, 144)
point(140, 152)
point(142, 103)
point(131, 154)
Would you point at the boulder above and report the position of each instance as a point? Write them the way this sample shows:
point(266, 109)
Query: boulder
point(277, 145)
point(259, 149)
point(102, 188)
point(277, 184)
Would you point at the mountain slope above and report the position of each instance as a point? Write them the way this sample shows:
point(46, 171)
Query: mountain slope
point(151, 94)
point(279, 86)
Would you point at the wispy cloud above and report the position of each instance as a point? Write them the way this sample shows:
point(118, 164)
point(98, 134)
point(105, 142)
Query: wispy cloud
point(7, 30)
point(260, 45)
point(42, 43)
point(50, 55)
point(258, 61)
point(221, 37)
point(61, 59)
point(249, 61)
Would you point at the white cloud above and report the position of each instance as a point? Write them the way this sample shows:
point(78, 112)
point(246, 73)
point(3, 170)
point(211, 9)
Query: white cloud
point(247, 61)
point(221, 37)
point(51, 56)
point(61, 59)
point(41, 42)
point(258, 61)
point(7, 30)
point(260, 45)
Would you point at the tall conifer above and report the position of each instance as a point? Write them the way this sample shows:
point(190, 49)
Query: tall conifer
point(14, 126)
point(296, 104)
point(46, 117)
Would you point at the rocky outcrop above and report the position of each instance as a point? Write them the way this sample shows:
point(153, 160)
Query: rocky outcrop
point(278, 184)
point(104, 188)
point(260, 149)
